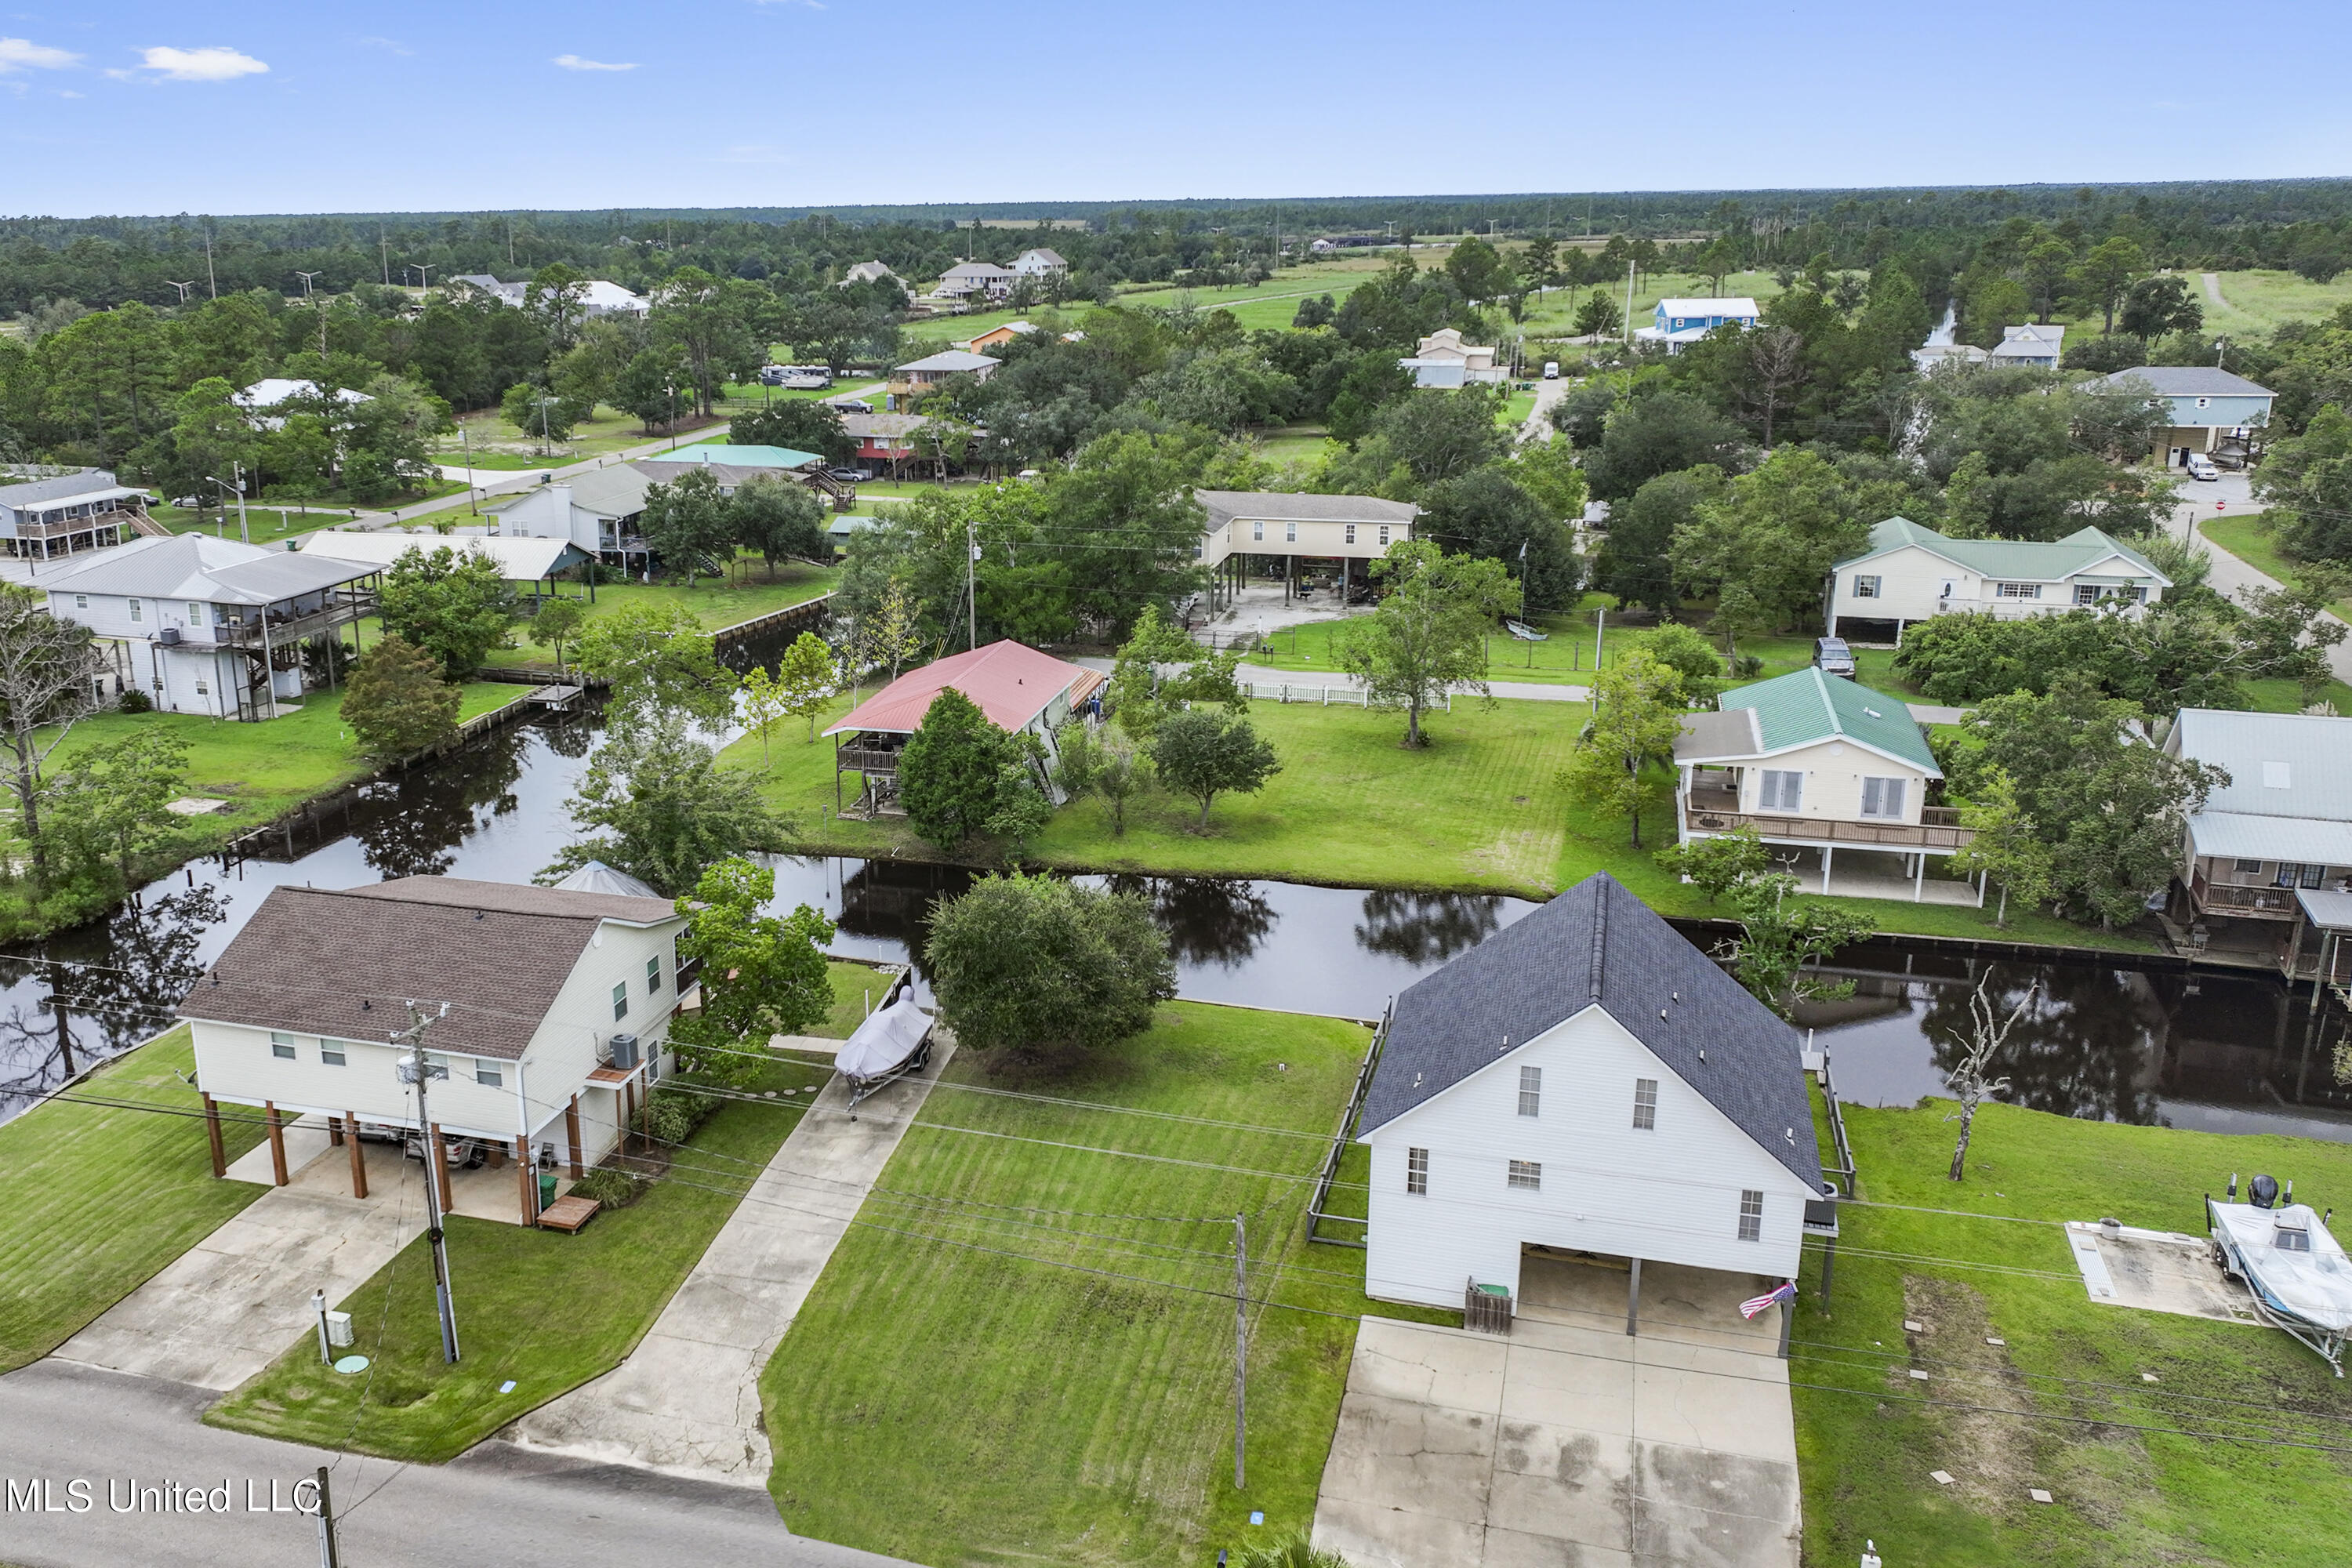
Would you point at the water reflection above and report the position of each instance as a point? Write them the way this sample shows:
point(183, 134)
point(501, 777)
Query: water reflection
point(2227, 1051)
point(1209, 920)
point(1426, 928)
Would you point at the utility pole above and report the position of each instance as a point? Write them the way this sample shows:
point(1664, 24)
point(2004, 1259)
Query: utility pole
point(1629, 300)
point(182, 288)
point(243, 532)
point(1241, 1344)
point(329, 1556)
point(321, 308)
point(211, 285)
point(416, 1069)
point(971, 581)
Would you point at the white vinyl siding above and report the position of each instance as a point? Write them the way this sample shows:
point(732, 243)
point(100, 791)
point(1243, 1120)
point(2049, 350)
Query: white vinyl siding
point(1646, 1104)
point(1669, 1193)
point(1781, 790)
point(1882, 798)
point(1531, 1091)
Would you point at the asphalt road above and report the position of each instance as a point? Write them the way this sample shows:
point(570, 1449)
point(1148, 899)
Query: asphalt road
point(496, 1505)
point(2231, 495)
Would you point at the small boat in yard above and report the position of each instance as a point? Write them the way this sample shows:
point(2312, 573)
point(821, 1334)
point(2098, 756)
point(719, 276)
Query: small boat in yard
point(2282, 1252)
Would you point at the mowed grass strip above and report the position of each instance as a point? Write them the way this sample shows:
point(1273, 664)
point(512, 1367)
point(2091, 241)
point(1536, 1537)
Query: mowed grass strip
point(1008, 1358)
point(94, 1200)
point(714, 604)
point(2121, 1496)
point(548, 1310)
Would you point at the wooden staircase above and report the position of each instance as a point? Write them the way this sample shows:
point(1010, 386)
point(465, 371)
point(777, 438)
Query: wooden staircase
point(844, 496)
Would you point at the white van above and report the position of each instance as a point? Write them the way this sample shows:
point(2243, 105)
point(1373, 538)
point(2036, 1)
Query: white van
point(1551, 370)
point(2201, 467)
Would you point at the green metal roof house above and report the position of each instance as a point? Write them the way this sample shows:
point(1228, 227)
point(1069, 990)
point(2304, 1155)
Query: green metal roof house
point(1815, 761)
point(1911, 572)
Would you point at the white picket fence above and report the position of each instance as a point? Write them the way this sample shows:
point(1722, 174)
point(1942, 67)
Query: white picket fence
point(1319, 696)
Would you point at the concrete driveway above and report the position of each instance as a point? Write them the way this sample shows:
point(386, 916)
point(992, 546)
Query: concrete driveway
point(686, 1402)
point(1569, 1442)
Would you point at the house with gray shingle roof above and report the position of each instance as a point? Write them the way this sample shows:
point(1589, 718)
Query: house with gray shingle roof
point(1584, 1081)
point(1308, 534)
point(1814, 763)
point(1911, 572)
point(2207, 409)
point(558, 1011)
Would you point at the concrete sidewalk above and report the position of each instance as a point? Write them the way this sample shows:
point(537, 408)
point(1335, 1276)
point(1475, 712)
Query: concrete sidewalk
point(686, 1402)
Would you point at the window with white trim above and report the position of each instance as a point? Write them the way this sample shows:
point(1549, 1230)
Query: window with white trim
point(1257, 530)
point(1527, 1175)
point(195, 614)
point(1751, 1215)
point(488, 1074)
point(1882, 798)
point(653, 974)
point(1351, 533)
point(1781, 790)
point(1646, 1104)
point(331, 1053)
point(2250, 868)
point(136, 613)
point(2017, 590)
point(1532, 1092)
point(2086, 594)
point(281, 1046)
point(1384, 533)
point(1290, 533)
point(81, 601)
point(1416, 1172)
point(1866, 587)
point(620, 1001)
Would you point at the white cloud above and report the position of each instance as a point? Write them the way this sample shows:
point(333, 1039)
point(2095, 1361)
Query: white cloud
point(577, 63)
point(214, 62)
point(389, 46)
point(23, 54)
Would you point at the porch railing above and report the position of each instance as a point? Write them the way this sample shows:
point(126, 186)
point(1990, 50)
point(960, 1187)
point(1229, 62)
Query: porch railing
point(1931, 833)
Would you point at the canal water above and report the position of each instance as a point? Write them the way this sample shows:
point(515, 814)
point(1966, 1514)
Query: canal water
point(2224, 1051)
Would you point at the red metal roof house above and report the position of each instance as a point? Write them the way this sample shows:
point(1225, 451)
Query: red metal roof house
point(1016, 687)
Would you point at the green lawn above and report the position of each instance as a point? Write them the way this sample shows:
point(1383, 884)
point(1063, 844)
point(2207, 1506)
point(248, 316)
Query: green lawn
point(856, 988)
point(268, 524)
point(548, 1310)
point(965, 1405)
point(1478, 810)
point(715, 605)
point(499, 447)
point(2264, 301)
point(94, 1200)
point(1551, 315)
point(2121, 1496)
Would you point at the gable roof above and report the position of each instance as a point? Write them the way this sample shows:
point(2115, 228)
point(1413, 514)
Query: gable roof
point(2280, 765)
point(1011, 683)
point(1285, 506)
point(1806, 707)
point(2011, 560)
point(497, 953)
point(1597, 945)
point(595, 877)
point(744, 456)
point(976, 271)
point(518, 560)
point(951, 359)
point(1050, 258)
point(2189, 381)
point(618, 491)
point(1728, 305)
point(29, 486)
point(198, 566)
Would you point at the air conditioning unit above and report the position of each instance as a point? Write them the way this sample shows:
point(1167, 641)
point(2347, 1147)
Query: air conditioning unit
point(625, 1051)
point(168, 637)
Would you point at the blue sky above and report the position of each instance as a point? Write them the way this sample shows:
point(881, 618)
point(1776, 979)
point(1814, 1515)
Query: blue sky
point(155, 108)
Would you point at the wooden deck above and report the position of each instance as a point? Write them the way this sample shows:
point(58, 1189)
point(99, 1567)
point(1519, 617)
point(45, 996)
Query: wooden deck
point(568, 1213)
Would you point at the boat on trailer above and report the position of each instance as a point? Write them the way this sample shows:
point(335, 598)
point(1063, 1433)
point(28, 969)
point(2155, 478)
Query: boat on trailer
point(894, 1040)
point(2293, 1266)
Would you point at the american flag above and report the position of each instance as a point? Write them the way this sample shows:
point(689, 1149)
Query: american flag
point(1787, 1292)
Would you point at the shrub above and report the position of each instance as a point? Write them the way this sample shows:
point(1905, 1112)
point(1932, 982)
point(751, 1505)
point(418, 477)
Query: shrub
point(663, 1119)
point(613, 1188)
point(135, 702)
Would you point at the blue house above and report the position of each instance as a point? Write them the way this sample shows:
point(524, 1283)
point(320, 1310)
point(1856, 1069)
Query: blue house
point(1679, 321)
point(2212, 411)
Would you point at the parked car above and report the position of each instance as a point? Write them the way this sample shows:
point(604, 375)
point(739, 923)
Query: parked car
point(1551, 370)
point(2201, 467)
point(1832, 656)
point(850, 405)
point(852, 476)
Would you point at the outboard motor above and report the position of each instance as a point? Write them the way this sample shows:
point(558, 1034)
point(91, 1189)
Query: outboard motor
point(2262, 1192)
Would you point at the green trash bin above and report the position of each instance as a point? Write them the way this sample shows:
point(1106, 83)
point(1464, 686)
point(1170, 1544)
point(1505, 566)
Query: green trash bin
point(546, 1190)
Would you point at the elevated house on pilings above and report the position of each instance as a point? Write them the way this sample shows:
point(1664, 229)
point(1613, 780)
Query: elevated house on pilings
point(212, 625)
point(1015, 686)
point(1250, 531)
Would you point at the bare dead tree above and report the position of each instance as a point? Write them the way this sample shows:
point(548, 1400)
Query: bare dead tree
point(1776, 358)
point(46, 685)
point(1968, 1080)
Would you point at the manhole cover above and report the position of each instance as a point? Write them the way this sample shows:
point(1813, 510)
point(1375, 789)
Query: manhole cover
point(351, 1363)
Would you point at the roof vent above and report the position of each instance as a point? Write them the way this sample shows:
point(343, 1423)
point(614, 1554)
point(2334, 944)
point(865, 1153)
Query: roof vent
point(1702, 1052)
point(1873, 713)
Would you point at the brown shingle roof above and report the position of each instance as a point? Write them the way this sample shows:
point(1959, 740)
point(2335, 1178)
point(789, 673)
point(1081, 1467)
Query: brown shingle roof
point(341, 964)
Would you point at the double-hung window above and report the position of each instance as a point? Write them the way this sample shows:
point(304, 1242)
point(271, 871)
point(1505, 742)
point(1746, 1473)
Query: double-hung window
point(1384, 533)
point(488, 1074)
point(1751, 1215)
point(1646, 1104)
point(1290, 533)
point(1866, 587)
point(1526, 1176)
point(620, 1001)
point(331, 1053)
point(1781, 790)
point(195, 614)
point(137, 614)
point(1416, 1172)
point(281, 1046)
point(1532, 1092)
point(1257, 530)
point(1351, 533)
point(1882, 798)
point(652, 975)
point(2086, 594)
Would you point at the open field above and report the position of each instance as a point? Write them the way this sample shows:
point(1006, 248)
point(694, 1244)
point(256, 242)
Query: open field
point(1479, 809)
point(499, 447)
point(2083, 1375)
point(2263, 300)
point(716, 605)
point(1548, 315)
point(1082, 1413)
point(94, 1199)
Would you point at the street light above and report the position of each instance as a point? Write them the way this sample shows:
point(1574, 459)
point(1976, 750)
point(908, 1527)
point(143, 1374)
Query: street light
point(242, 532)
point(320, 307)
point(182, 288)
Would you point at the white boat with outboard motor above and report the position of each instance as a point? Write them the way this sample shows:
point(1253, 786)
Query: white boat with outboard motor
point(2296, 1271)
point(894, 1040)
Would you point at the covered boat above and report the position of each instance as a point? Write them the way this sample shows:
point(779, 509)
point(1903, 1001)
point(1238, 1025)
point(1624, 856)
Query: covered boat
point(895, 1039)
point(2298, 1274)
